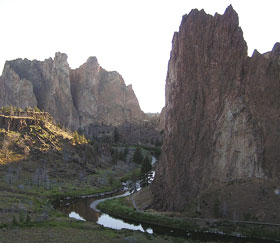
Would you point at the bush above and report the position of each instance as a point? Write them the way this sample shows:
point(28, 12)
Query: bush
point(146, 165)
point(36, 109)
point(15, 220)
point(138, 157)
point(116, 207)
point(21, 216)
point(79, 139)
point(28, 219)
point(116, 135)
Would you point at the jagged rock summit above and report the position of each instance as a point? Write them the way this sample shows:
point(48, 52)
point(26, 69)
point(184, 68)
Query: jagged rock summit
point(222, 121)
point(75, 98)
point(103, 96)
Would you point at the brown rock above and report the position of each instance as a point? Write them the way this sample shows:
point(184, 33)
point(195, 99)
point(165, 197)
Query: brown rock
point(14, 90)
point(75, 98)
point(45, 84)
point(103, 97)
point(222, 111)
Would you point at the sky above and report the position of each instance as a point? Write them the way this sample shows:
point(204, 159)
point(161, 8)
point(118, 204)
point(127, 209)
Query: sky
point(132, 37)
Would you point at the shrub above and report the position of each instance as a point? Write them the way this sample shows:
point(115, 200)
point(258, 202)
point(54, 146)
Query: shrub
point(138, 157)
point(28, 218)
point(15, 220)
point(36, 109)
point(146, 165)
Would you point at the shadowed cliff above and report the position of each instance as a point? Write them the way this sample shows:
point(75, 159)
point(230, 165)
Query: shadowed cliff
point(222, 121)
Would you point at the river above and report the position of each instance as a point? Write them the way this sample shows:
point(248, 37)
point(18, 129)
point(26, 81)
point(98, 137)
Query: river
point(85, 209)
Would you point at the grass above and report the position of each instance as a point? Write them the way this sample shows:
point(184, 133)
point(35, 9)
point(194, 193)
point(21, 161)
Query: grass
point(119, 208)
point(69, 230)
point(132, 175)
point(122, 209)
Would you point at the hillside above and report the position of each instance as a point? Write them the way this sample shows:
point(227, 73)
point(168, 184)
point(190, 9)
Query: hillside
point(39, 158)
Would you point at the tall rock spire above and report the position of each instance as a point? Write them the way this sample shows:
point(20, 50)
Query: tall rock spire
point(221, 112)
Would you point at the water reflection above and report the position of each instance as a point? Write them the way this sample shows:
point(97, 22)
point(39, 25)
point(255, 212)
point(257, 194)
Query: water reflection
point(114, 223)
point(76, 216)
point(85, 210)
point(79, 209)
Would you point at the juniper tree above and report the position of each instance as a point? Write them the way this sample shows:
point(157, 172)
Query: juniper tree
point(138, 157)
point(146, 165)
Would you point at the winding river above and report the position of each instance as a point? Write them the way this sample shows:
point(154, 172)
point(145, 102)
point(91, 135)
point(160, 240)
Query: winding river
point(85, 209)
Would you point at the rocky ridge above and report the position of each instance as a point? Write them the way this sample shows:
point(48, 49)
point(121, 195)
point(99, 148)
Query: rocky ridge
point(75, 98)
point(221, 122)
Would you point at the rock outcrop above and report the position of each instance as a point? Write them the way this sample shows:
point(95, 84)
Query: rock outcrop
point(103, 97)
point(75, 98)
point(43, 84)
point(222, 115)
point(161, 119)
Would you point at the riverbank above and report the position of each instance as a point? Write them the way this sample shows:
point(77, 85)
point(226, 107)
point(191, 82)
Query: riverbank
point(65, 230)
point(123, 208)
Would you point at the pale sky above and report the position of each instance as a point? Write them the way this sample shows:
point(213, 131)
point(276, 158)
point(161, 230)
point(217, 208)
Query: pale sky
point(128, 36)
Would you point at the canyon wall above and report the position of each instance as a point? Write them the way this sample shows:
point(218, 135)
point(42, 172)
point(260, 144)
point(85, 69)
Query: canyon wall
point(103, 97)
point(222, 114)
point(75, 98)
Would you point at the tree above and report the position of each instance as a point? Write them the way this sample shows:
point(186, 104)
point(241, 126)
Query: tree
point(122, 155)
point(36, 109)
point(146, 165)
point(5, 145)
point(76, 137)
point(125, 152)
point(41, 177)
point(138, 157)
point(11, 111)
point(115, 156)
point(83, 139)
point(116, 135)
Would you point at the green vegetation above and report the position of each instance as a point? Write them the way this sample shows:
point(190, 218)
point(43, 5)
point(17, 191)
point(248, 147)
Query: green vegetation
point(79, 139)
point(41, 162)
point(132, 175)
point(155, 151)
point(123, 209)
point(259, 231)
point(146, 165)
point(116, 135)
point(138, 156)
point(118, 207)
point(65, 230)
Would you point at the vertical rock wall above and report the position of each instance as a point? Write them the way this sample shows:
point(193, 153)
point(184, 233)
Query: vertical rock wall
point(222, 111)
point(75, 98)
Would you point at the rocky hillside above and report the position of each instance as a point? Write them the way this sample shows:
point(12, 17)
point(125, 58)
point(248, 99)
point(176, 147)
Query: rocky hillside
point(75, 98)
point(34, 150)
point(221, 123)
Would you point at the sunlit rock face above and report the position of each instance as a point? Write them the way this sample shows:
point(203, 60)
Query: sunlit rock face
point(75, 98)
point(222, 113)
point(14, 90)
point(45, 84)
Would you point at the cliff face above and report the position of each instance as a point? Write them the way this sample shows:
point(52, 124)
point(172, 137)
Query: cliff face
point(44, 84)
point(75, 98)
point(222, 111)
point(103, 97)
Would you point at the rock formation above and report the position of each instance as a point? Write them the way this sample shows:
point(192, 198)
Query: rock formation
point(103, 97)
point(44, 84)
point(222, 116)
point(75, 98)
point(161, 120)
